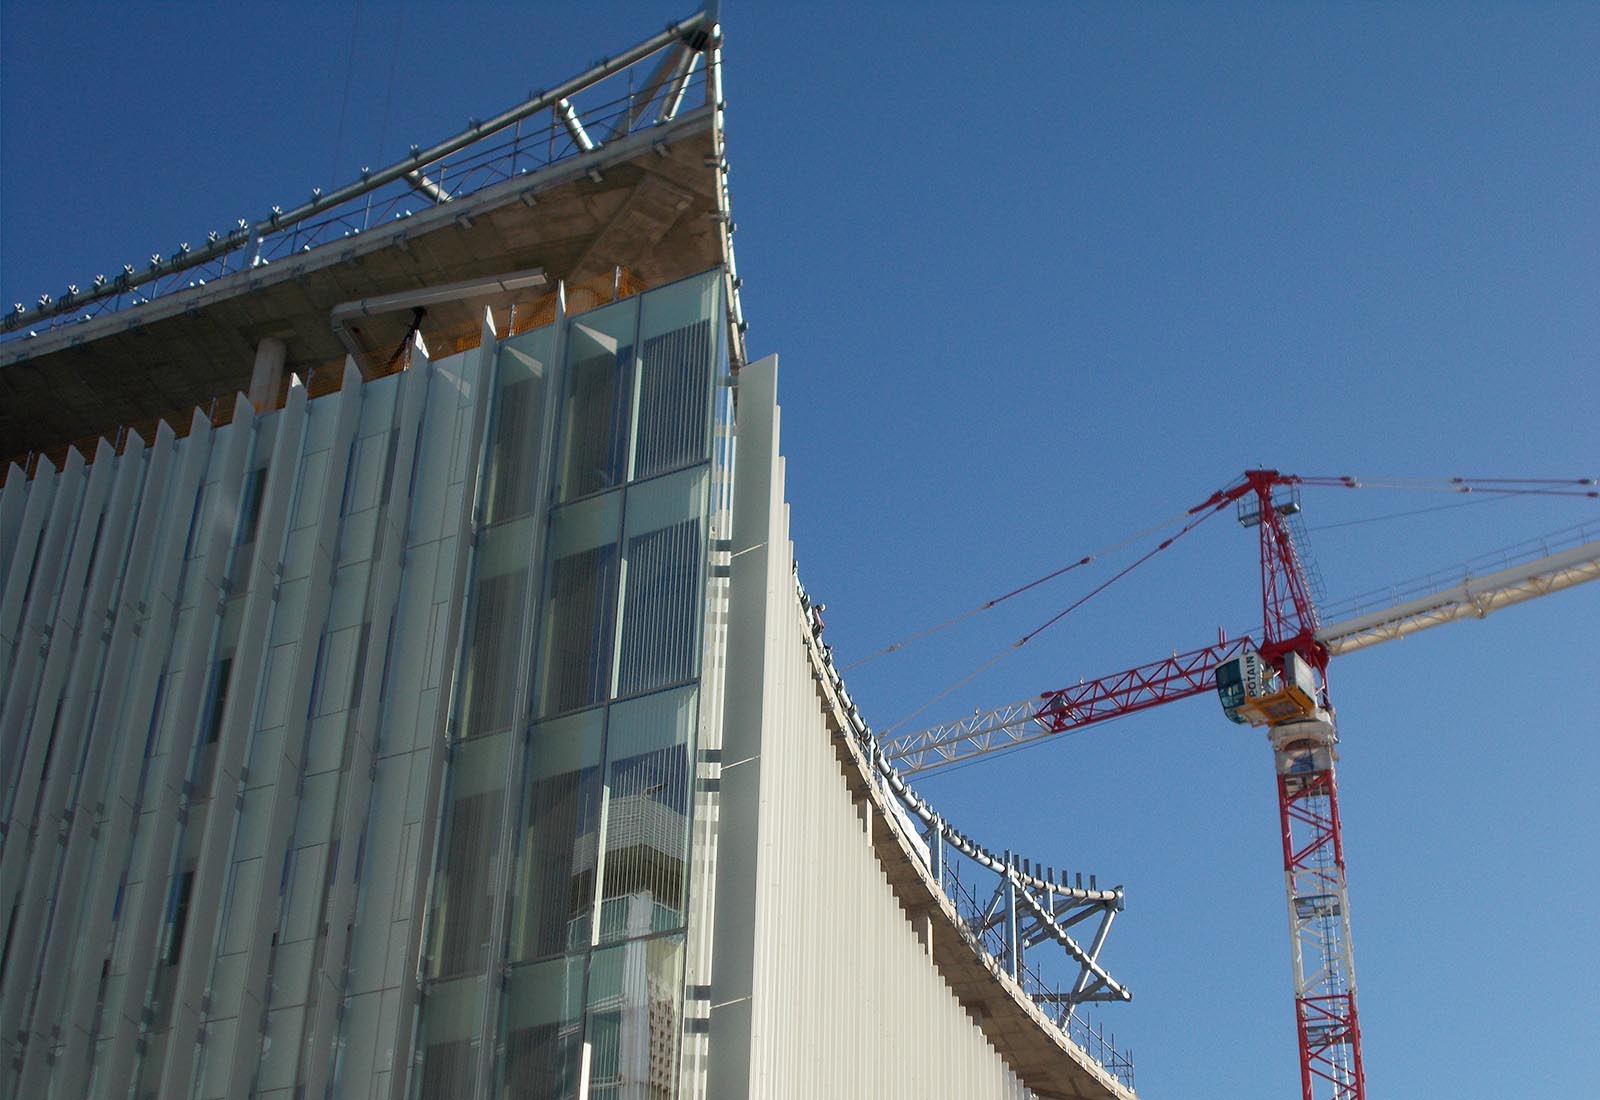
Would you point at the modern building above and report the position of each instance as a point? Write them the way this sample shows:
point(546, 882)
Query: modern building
point(407, 690)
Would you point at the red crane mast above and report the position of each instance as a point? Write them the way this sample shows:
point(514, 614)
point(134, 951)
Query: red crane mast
point(1279, 682)
point(1281, 685)
point(1299, 720)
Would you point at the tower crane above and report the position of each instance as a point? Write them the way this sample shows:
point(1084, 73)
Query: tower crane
point(1278, 682)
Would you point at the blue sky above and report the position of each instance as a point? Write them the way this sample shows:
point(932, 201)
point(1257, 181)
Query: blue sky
point(1039, 276)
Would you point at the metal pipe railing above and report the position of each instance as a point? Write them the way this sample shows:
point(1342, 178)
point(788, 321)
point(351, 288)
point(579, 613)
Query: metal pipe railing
point(697, 31)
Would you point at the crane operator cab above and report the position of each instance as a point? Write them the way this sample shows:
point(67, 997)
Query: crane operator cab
point(1253, 692)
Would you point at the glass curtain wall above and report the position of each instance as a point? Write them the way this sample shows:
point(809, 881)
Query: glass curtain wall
point(594, 907)
point(466, 891)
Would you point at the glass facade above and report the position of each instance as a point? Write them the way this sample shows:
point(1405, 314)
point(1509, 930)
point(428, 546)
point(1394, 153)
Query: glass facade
point(555, 952)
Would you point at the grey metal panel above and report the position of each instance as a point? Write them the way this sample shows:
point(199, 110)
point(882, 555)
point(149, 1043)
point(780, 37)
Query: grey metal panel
point(280, 774)
point(452, 386)
point(511, 806)
point(65, 936)
point(13, 499)
point(151, 614)
point(211, 1083)
point(19, 663)
point(169, 791)
point(413, 686)
point(58, 637)
point(383, 593)
point(86, 634)
point(397, 1028)
point(17, 568)
point(188, 1013)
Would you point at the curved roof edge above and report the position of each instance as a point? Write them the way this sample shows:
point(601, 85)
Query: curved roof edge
point(1054, 1057)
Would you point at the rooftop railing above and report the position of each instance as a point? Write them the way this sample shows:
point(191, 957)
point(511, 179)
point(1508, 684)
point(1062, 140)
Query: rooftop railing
point(647, 86)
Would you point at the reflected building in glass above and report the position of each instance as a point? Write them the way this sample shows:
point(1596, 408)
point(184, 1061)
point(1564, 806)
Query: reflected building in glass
point(563, 880)
point(405, 688)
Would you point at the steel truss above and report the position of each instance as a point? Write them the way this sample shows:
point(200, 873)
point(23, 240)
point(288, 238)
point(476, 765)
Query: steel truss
point(1319, 926)
point(1072, 708)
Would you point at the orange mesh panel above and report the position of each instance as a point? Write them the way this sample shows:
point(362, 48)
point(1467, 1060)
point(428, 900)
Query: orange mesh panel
point(581, 297)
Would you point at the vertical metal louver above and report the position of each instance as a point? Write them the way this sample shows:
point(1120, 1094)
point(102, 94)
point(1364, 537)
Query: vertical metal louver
point(563, 828)
point(674, 382)
point(581, 611)
point(448, 1070)
point(589, 928)
point(462, 919)
point(632, 1023)
point(646, 831)
point(660, 618)
point(492, 657)
point(542, 1063)
point(544, 1038)
point(513, 467)
point(597, 423)
point(648, 745)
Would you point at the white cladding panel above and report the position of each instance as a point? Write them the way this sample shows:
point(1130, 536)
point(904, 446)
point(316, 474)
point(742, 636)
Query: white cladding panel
point(194, 636)
point(821, 986)
point(230, 668)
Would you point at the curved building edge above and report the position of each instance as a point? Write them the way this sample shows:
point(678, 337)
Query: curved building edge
point(787, 864)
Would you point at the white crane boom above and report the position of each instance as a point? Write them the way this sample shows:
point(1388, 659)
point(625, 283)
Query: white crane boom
point(1190, 673)
point(1474, 597)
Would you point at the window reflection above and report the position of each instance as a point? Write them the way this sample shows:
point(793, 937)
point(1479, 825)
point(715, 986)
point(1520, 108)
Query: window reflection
point(632, 1020)
point(647, 814)
point(544, 1041)
point(578, 657)
point(595, 428)
point(555, 901)
point(592, 921)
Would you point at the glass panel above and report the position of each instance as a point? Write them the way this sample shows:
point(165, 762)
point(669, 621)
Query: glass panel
point(648, 774)
point(511, 482)
point(580, 608)
point(451, 1014)
point(632, 1020)
point(676, 342)
point(543, 1006)
point(555, 874)
point(488, 693)
point(599, 387)
point(662, 609)
point(464, 890)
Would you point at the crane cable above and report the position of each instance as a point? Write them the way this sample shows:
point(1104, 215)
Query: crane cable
point(1019, 590)
point(344, 97)
point(1490, 497)
point(1200, 518)
point(1566, 535)
point(1203, 512)
point(1521, 486)
point(1453, 485)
